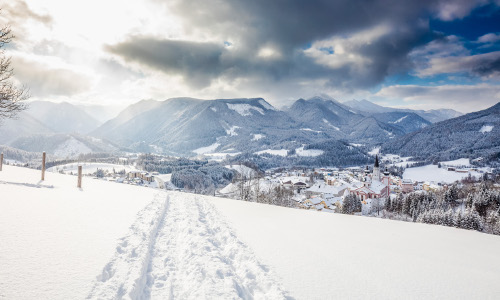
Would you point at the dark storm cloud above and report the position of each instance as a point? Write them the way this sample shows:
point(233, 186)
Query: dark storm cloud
point(290, 27)
point(488, 66)
point(198, 62)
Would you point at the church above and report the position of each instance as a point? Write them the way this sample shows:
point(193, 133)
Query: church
point(374, 186)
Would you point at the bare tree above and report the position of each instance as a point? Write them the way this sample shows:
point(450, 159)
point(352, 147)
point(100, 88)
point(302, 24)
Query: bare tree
point(11, 97)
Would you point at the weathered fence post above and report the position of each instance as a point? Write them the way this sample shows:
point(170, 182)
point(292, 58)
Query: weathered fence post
point(79, 185)
point(43, 165)
point(1, 161)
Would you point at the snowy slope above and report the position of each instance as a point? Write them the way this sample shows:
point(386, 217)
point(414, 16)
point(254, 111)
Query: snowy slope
point(59, 242)
point(434, 173)
point(89, 168)
point(335, 256)
point(55, 237)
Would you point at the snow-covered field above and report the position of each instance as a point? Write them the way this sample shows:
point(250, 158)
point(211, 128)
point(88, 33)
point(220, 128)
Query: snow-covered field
point(280, 152)
point(109, 241)
point(56, 238)
point(242, 169)
point(461, 162)
point(89, 168)
point(434, 173)
point(207, 149)
point(308, 152)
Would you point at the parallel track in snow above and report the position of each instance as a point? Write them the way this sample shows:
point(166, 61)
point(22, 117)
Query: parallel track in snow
point(181, 247)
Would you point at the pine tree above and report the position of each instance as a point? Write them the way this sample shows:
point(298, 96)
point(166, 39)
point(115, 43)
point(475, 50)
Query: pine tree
point(388, 204)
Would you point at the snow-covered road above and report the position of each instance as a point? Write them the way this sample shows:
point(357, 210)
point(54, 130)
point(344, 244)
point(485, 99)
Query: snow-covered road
point(181, 247)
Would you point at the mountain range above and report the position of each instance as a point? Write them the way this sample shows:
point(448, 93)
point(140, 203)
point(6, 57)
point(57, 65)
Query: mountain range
point(188, 127)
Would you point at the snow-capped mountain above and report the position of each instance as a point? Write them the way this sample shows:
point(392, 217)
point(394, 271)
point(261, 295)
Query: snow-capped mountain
point(339, 121)
point(434, 115)
point(472, 135)
point(193, 126)
point(183, 125)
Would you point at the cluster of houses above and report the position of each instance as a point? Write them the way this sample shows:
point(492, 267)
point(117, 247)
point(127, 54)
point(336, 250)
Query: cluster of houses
point(133, 177)
point(328, 193)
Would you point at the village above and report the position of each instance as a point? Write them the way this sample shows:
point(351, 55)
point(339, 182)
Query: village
point(321, 189)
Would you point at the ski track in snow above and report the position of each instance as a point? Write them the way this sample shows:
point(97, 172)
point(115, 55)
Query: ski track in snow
point(181, 247)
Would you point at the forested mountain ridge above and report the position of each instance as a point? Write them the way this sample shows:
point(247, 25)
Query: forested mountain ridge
point(472, 135)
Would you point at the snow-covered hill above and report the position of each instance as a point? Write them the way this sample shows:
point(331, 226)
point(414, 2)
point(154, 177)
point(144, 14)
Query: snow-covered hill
point(60, 242)
point(472, 135)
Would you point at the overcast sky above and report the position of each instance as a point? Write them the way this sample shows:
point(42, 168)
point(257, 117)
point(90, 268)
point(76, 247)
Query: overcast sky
point(419, 54)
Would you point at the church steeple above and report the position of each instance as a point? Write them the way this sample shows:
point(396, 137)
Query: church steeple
point(376, 170)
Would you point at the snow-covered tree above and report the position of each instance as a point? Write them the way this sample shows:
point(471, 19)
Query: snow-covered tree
point(351, 204)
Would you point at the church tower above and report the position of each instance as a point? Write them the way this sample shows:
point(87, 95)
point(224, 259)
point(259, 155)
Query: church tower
point(376, 170)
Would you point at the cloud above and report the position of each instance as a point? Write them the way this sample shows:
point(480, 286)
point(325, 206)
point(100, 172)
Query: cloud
point(344, 44)
point(464, 98)
point(198, 62)
point(448, 10)
point(359, 60)
point(449, 55)
point(44, 80)
point(489, 38)
point(17, 14)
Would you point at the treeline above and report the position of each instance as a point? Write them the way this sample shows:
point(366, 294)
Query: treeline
point(335, 153)
point(166, 165)
point(204, 180)
point(474, 207)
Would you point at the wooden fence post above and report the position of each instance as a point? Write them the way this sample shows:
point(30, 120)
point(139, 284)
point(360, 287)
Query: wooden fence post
point(43, 165)
point(1, 161)
point(79, 185)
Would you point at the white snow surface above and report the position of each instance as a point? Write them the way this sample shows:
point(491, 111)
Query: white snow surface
point(399, 120)
point(182, 247)
point(232, 130)
point(258, 136)
point(309, 129)
point(89, 168)
point(433, 173)
point(308, 152)
point(335, 256)
point(486, 128)
point(465, 162)
point(60, 242)
point(71, 147)
point(242, 169)
point(207, 149)
point(244, 109)
point(374, 151)
point(55, 237)
point(280, 152)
